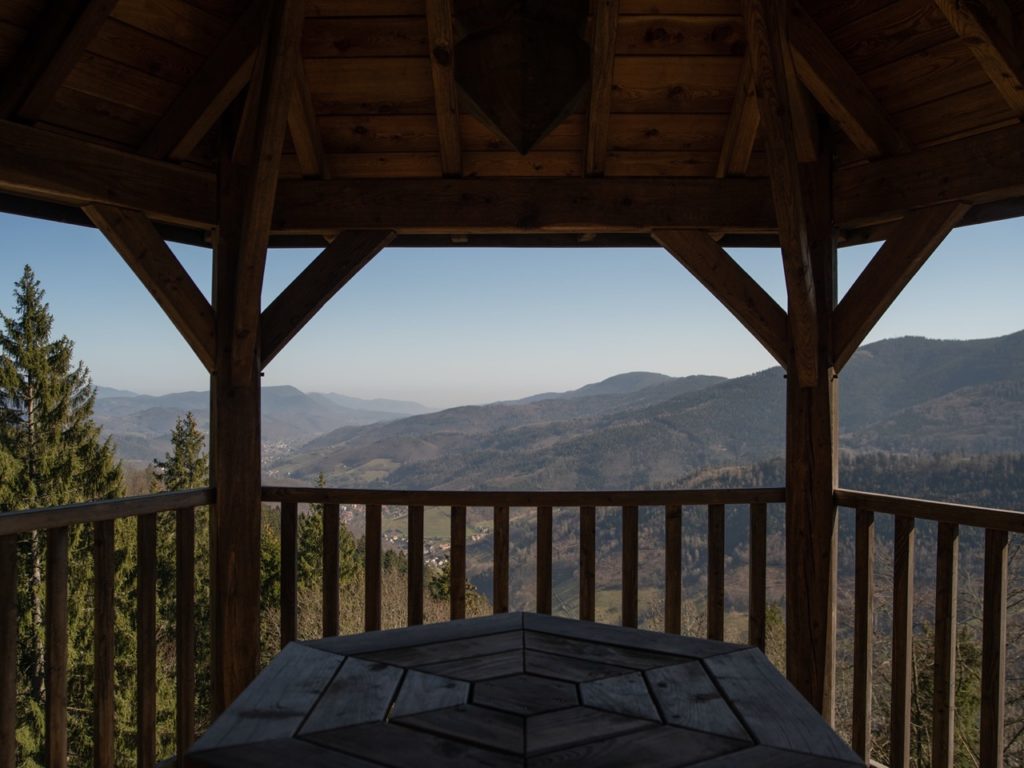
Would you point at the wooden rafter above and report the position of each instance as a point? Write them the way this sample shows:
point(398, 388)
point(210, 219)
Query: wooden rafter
point(305, 132)
point(328, 273)
point(741, 130)
point(840, 90)
point(602, 65)
point(887, 274)
point(731, 285)
point(986, 27)
point(49, 55)
point(440, 38)
point(221, 78)
point(767, 36)
point(146, 253)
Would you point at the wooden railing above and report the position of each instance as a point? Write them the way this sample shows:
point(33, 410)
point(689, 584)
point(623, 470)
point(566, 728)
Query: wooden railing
point(56, 521)
point(997, 524)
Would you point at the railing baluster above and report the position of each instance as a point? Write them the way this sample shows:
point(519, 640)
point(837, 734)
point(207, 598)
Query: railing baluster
point(630, 565)
point(863, 632)
point(993, 649)
point(501, 540)
point(145, 629)
point(8, 648)
point(373, 606)
point(544, 545)
point(415, 556)
point(757, 587)
point(103, 644)
point(902, 641)
point(588, 563)
point(331, 575)
point(185, 627)
point(716, 571)
point(458, 563)
point(57, 648)
point(673, 568)
point(289, 571)
point(944, 700)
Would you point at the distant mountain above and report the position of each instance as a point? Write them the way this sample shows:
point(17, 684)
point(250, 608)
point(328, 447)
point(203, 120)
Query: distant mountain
point(623, 384)
point(909, 394)
point(405, 407)
point(141, 424)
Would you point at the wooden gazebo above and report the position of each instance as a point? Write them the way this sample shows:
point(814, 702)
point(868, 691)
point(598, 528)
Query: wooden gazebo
point(696, 125)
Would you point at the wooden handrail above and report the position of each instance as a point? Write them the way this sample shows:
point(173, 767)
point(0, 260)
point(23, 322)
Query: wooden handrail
point(27, 520)
point(941, 511)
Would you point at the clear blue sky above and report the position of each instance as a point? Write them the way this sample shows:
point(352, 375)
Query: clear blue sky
point(456, 326)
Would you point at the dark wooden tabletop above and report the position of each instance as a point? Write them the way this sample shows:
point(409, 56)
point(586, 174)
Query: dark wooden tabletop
point(520, 690)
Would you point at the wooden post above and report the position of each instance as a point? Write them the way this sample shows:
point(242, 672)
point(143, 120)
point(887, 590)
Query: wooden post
point(811, 466)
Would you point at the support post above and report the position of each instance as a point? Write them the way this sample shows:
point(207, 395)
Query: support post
point(811, 466)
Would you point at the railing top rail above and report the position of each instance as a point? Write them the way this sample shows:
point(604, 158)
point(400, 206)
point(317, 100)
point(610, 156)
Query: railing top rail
point(27, 520)
point(308, 495)
point(941, 511)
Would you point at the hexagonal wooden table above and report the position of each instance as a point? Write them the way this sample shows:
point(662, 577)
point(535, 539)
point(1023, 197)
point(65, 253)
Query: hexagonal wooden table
point(520, 690)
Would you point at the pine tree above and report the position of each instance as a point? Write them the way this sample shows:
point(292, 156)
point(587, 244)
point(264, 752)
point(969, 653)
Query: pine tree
point(50, 454)
point(187, 465)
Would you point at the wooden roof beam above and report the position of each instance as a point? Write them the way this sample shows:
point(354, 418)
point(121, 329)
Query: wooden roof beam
point(328, 273)
point(767, 22)
point(986, 27)
point(305, 132)
point(730, 284)
point(741, 131)
point(145, 252)
point(441, 43)
point(602, 69)
point(841, 91)
point(220, 79)
point(887, 274)
point(49, 54)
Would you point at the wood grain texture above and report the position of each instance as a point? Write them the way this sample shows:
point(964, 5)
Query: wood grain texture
point(947, 566)
point(863, 633)
point(544, 550)
point(716, 572)
point(185, 629)
point(373, 608)
point(943, 512)
point(688, 698)
point(143, 249)
point(499, 583)
point(446, 643)
point(57, 648)
point(304, 130)
point(993, 649)
point(145, 643)
point(625, 695)
point(415, 555)
point(376, 684)
point(330, 602)
point(476, 725)
point(730, 284)
point(888, 273)
point(570, 669)
point(630, 565)
point(588, 563)
point(602, 67)
point(9, 649)
point(441, 45)
point(902, 642)
point(457, 582)
point(480, 667)
point(673, 568)
point(104, 640)
point(289, 572)
point(741, 131)
point(422, 692)
point(757, 586)
point(575, 725)
point(680, 35)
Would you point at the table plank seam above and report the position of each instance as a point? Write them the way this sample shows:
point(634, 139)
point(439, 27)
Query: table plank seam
point(729, 702)
point(319, 698)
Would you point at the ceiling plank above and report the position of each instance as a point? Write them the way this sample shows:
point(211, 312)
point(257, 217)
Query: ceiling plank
point(38, 163)
point(440, 39)
point(145, 252)
point(602, 67)
point(201, 103)
point(841, 92)
point(906, 250)
point(769, 47)
point(304, 129)
point(49, 55)
point(741, 131)
point(986, 27)
point(328, 273)
point(730, 284)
